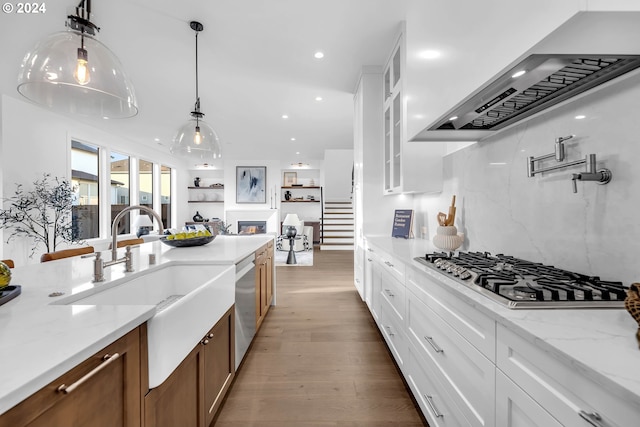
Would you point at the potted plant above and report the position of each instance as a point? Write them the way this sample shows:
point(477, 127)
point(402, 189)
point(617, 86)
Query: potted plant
point(42, 214)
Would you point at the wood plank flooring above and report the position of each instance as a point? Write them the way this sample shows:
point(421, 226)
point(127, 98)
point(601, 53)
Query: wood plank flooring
point(318, 359)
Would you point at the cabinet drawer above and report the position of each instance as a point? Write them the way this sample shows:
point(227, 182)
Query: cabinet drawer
point(392, 265)
point(393, 292)
point(515, 408)
point(474, 326)
point(553, 384)
point(394, 333)
point(470, 375)
point(435, 403)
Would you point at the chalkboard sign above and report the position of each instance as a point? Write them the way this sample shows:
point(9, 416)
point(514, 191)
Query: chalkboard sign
point(403, 223)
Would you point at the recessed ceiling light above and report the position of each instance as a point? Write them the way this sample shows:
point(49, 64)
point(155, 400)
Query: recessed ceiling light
point(453, 118)
point(318, 98)
point(318, 55)
point(297, 152)
point(284, 116)
point(293, 139)
point(429, 54)
point(518, 74)
point(156, 139)
point(580, 117)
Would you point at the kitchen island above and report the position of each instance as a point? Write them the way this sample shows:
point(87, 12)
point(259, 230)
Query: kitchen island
point(482, 363)
point(40, 339)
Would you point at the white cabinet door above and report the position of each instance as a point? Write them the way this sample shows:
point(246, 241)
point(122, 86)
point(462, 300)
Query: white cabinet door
point(437, 406)
point(368, 276)
point(470, 376)
point(515, 408)
point(561, 388)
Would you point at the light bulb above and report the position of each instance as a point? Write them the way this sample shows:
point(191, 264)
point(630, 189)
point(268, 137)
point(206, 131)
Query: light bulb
point(81, 74)
point(197, 138)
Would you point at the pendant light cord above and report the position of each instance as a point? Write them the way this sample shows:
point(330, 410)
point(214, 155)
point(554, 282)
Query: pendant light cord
point(197, 95)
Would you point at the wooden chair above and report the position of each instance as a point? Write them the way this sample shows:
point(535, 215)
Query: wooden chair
point(128, 242)
point(52, 256)
point(9, 263)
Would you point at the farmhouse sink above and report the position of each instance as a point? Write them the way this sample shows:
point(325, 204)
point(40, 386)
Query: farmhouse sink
point(189, 300)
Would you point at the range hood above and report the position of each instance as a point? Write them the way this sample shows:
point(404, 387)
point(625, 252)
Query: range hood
point(548, 78)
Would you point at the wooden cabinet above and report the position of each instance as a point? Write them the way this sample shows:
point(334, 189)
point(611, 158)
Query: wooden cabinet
point(408, 167)
point(104, 390)
point(264, 281)
point(193, 393)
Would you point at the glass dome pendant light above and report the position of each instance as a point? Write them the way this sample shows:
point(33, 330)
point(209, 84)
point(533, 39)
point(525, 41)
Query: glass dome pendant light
point(72, 72)
point(196, 139)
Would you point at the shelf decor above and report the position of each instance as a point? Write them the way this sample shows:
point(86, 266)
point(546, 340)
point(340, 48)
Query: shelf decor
point(251, 184)
point(290, 178)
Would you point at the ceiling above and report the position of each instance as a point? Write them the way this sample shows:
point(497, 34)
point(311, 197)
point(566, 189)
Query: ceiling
point(256, 63)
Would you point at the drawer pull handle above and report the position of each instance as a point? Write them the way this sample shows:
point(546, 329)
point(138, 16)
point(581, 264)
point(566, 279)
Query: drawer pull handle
point(388, 328)
point(369, 259)
point(433, 344)
point(107, 360)
point(389, 264)
point(592, 418)
point(432, 405)
point(389, 293)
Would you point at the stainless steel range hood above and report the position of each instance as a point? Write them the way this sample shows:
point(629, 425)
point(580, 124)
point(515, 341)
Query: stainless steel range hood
point(590, 49)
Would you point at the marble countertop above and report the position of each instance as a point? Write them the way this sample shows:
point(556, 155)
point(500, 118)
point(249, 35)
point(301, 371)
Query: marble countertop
point(600, 343)
point(40, 341)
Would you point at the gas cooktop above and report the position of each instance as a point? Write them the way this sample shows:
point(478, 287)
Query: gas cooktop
point(518, 283)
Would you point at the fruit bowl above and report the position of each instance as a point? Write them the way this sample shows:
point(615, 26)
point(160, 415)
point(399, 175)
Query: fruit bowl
point(184, 243)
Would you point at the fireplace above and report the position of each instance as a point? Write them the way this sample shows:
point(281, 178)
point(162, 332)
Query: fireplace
point(252, 227)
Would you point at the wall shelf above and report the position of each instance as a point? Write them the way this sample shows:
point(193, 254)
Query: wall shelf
point(206, 188)
point(299, 186)
point(300, 201)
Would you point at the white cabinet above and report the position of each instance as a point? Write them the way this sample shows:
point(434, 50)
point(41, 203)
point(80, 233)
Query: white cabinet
point(560, 388)
point(468, 376)
point(368, 275)
point(436, 404)
point(408, 167)
point(515, 408)
point(358, 270)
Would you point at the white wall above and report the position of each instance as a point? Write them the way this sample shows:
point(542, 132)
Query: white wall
point(501, 210)
point(35, 141)
point(337, 175)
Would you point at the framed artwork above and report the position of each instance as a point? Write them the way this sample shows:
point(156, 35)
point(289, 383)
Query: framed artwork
point(290, 178)
point(251, 184)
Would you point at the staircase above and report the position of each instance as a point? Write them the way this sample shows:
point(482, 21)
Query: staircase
point(337, 231)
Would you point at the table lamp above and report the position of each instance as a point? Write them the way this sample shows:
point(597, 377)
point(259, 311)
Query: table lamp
point(143, 225)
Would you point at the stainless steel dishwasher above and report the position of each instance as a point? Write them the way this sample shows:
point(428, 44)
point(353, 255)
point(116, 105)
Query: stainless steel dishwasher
point(245, 306)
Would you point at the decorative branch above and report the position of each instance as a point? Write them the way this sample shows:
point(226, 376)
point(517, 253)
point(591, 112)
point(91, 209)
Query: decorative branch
point(43, 215)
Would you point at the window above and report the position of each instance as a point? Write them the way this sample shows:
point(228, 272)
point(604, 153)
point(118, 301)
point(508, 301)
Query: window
point(165, 196)
point(145, 183)
point(120, 188)
point(85, 178)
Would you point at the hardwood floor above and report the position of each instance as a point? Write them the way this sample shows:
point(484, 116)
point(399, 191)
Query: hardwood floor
point(318, 359)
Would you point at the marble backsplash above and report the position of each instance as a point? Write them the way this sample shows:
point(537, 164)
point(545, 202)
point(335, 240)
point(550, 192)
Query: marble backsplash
point(594, 231)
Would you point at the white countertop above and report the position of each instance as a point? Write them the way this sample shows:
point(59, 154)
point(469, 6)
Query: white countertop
point(599, 343)
point(39, 342)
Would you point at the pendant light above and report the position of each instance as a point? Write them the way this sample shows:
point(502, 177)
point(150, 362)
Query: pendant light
point(196, 139)
point(72, 72)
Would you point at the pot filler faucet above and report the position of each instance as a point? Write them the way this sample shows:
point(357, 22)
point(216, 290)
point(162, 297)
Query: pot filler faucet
point(99, 264)
point(600, 176)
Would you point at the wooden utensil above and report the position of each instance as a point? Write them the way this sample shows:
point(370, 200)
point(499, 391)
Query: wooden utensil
point(452, 212)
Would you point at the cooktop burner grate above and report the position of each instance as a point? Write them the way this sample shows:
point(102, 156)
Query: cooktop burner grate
point(519, 283)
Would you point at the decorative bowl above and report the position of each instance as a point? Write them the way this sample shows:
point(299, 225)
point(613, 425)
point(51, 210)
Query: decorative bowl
point(184, 243)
